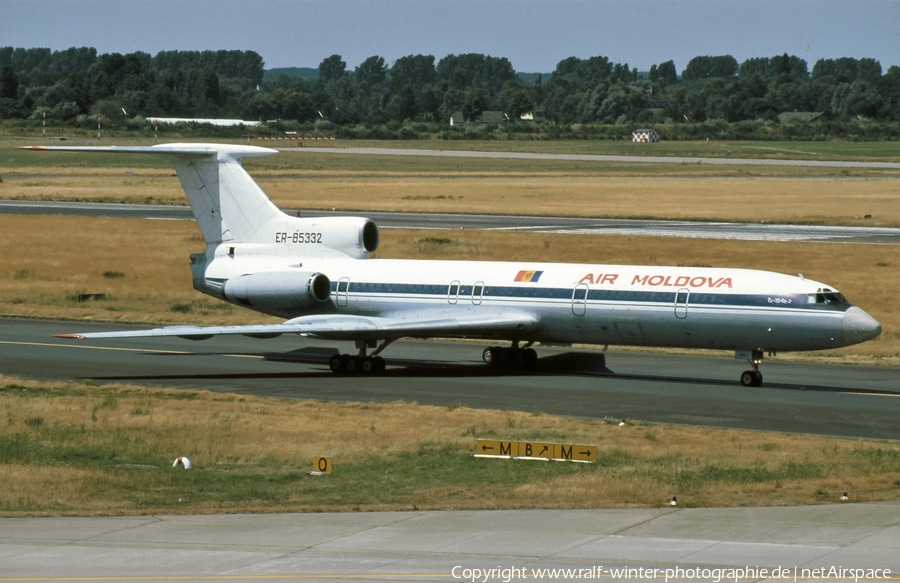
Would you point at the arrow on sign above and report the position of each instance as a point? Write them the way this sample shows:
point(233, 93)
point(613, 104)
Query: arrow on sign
point(485, 447)
point(586, 453)
point(543, 450)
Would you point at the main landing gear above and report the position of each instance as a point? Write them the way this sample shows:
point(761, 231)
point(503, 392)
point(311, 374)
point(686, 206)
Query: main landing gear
point(360, 363)
point(514, 357)
point(753, 378)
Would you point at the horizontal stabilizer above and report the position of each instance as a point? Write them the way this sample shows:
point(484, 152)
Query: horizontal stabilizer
point(228, 205)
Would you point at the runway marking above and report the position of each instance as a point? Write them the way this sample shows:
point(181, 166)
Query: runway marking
point(873, 394)
point(120, 349)
point(115, 348)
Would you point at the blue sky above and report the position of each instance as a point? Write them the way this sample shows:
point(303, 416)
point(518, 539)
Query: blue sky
point(533, 34)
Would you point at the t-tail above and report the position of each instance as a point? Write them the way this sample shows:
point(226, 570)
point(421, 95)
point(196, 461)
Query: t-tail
point(231, 208)
point(245, 232)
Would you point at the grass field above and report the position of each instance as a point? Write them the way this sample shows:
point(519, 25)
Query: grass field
point(79, 449)
point(303, 180)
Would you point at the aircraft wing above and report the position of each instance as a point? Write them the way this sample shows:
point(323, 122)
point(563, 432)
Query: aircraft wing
point(344, 327)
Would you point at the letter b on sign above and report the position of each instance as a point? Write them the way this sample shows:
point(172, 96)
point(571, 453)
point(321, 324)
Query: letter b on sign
point(322, 464)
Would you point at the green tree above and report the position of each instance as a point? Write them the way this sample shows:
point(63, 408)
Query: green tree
point(665, 74)
point(372, 72)
point(724, 67)
point(9, 83)
point(413, 69)
point(476, 101)
point(474, 70)
point(332, 68)
point(516, 99)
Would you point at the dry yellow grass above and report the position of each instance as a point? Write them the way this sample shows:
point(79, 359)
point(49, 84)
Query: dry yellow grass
point(785, 200)
point(49, 259)
point(76, 449)
point(388, 183)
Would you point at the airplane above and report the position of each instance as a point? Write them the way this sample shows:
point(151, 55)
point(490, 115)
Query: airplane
point(316, 274)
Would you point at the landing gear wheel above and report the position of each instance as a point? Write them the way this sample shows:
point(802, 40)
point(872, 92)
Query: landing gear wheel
point(513, 358)
point(751, 378)
point(356, 364)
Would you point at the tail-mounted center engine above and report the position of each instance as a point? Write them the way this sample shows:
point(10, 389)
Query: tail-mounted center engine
point(279, 290)
point(327, 236)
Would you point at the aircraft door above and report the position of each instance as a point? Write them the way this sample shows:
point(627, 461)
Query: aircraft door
point(579, 299)
point(453, 292)
point(681, 303)
point(477, 292)
point(342, 291)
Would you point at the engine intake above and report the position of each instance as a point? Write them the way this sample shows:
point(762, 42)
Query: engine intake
point(279, 290)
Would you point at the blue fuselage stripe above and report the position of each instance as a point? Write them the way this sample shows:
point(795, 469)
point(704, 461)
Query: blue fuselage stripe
point(650, 298)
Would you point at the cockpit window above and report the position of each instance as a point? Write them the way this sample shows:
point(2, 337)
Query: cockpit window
point(826, 296)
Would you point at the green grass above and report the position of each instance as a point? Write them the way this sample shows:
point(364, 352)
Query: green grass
point(715, 149)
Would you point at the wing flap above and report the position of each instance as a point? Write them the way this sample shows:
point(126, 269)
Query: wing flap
point(339, 327)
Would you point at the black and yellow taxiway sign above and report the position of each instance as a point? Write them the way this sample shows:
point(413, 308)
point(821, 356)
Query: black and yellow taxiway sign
point(535, 450)
point(322, 464)
point(496, 448)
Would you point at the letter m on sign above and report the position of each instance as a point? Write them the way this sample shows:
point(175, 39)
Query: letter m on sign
point(564, 453)
point(506, 448)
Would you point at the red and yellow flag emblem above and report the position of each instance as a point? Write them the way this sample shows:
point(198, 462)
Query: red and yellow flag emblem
point(528, 276)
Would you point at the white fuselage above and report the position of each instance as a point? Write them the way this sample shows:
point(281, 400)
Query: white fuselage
point(732, 309)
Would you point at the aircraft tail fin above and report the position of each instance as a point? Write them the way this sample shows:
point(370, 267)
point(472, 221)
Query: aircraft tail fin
point(228, 204)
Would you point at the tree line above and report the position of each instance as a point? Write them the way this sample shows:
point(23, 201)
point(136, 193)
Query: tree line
point(421, 93)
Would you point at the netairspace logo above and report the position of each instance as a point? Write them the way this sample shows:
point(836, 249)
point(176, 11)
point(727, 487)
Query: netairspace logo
point(719, 575)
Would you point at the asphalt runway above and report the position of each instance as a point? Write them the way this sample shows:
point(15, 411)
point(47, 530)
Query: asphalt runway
point(851, 401)
point(594, 157)
point(574, 225)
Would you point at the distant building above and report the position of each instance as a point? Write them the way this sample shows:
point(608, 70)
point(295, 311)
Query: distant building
point(487, 118)
point(493, 118)
point(214, 122)
point(644, 136)
point(789, 116)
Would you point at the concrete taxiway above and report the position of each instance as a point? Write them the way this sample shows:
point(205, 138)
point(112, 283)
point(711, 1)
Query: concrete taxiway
point(536, 156)
point(686, 544)
point(573, 225)
point(852, 401)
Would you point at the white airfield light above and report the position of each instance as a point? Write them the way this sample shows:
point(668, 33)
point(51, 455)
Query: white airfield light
point(315, 274)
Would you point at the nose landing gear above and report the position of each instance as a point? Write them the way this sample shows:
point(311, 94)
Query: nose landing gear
point(752, 378)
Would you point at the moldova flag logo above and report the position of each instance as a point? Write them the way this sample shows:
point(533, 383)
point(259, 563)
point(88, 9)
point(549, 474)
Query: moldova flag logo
point(528, 276)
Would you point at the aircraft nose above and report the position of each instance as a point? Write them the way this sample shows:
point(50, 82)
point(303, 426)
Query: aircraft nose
point(859, 326)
